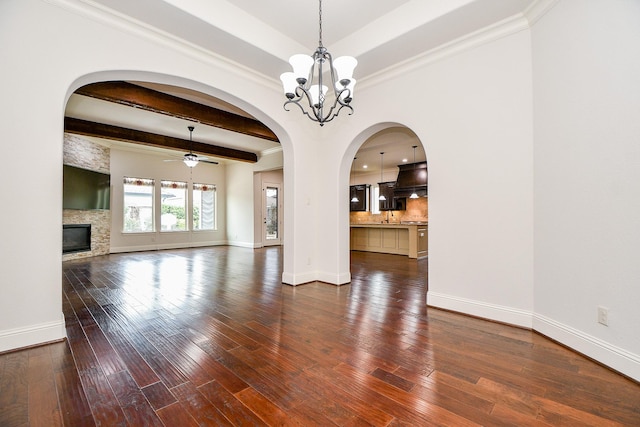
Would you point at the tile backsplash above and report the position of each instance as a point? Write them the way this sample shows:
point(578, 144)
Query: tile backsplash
point(417, 210)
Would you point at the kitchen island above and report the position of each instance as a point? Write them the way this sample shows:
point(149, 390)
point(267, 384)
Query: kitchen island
point(406, 238)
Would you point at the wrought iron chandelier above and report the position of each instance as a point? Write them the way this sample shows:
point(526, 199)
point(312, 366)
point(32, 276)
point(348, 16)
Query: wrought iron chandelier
point(305, 83)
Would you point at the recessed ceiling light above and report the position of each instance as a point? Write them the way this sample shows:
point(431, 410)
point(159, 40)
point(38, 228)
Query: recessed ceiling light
point(364, 166)
point(404, 160)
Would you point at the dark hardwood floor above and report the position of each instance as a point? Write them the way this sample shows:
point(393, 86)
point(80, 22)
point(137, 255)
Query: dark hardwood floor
point(211, 337)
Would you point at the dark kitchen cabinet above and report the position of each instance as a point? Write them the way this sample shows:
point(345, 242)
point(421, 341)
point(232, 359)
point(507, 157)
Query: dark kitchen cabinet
point(361, 192)
point(392, 203)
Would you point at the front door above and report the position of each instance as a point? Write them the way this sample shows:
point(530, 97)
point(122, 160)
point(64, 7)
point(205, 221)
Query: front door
point(271, 215)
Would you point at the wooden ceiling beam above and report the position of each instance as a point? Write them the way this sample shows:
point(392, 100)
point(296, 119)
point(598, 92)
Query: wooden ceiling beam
point(158, 102)
point(101, 130)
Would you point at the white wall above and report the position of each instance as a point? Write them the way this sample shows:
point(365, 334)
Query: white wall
point(587, 177)
point(133, 163)
point(240, 206)
point(473, 113)
point(35, 85)
point(30, 304)
point(302, 201)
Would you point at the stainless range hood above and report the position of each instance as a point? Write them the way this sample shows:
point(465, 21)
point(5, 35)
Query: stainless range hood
point(411, 177)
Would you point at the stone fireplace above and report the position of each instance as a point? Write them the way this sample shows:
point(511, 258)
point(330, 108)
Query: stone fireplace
point(85, 154)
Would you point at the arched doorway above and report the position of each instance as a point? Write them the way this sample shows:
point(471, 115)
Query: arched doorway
point(392, 163)
point(147, 129)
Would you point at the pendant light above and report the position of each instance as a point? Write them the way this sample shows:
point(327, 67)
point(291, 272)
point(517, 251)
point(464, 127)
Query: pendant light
point(414, 195)
point(354, 198)
point(381, 198)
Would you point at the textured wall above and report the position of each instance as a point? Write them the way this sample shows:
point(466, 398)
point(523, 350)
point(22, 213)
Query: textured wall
point(85, 154)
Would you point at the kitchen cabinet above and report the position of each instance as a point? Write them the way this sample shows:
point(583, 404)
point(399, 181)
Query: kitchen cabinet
point(423, 241)
point(392, 203)
point(362, 193)
point(399, 239)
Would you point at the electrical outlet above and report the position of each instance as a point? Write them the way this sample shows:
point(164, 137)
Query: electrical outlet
point(603, 316)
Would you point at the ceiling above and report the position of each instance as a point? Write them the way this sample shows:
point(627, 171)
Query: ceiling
point(261, 35)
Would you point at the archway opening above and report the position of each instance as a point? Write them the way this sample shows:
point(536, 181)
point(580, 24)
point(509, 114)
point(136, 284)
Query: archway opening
point(386, 231)
point(139, 130)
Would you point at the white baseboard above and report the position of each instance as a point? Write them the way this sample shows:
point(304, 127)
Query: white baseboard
point(250, 245)
point(312, 276)
point(298, 279)
point(609, 355)
point(12, 339)
point(614, 357)
point(157, 247)
point(334, 279)
point(124, 249)
point(499, 313)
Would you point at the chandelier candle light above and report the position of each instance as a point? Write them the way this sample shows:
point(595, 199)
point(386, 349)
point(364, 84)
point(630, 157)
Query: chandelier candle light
point(306, 82)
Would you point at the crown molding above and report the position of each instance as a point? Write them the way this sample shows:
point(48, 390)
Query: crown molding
point(272, 150)
point(468, 42)
point(99, 13)
point(538, 9)
point(514, 24)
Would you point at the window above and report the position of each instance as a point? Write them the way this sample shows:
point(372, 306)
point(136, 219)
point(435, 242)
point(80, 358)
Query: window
point(375, 204)
point(141, 207)
point(204, 207)
point(138, 205)
point(173, 206)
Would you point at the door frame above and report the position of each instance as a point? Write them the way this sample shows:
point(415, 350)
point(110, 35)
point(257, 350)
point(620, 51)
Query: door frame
point(265, 241)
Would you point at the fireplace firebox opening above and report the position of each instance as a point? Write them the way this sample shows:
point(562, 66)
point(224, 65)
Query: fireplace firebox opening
point(76, 238)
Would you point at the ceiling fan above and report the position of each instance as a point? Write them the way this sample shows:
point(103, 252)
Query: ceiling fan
point(190, 159)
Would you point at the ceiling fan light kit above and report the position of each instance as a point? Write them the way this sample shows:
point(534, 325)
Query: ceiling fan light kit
point(305, 83)
point(190, 159)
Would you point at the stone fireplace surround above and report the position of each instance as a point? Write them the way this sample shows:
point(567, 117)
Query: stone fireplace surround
point(88, 155)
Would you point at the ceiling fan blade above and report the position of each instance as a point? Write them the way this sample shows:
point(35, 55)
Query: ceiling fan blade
point(208, 161)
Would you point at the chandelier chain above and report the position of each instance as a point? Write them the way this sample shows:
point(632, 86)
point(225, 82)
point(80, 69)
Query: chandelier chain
point(320, 23)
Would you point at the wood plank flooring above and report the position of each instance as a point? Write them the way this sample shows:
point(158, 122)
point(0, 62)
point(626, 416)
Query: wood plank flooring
point(210, 336)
